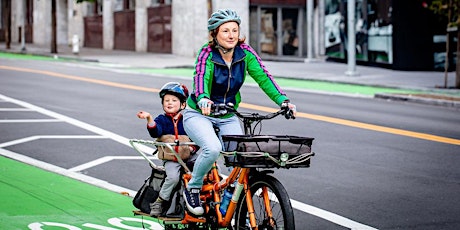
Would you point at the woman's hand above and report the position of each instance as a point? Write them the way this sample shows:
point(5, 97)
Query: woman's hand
point(205, 105)
point(292, 109)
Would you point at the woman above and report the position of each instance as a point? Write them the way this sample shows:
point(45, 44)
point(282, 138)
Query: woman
point(220, 70)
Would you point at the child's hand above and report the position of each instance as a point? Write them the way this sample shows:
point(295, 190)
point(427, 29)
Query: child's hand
point(143, 115)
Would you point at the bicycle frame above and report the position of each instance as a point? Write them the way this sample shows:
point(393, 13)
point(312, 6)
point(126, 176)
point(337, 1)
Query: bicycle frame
point(213, 185)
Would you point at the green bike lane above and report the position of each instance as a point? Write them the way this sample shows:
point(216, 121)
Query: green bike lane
point(33, 198)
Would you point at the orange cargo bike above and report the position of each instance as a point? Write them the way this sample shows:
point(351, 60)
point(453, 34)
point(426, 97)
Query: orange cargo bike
point(249, 198)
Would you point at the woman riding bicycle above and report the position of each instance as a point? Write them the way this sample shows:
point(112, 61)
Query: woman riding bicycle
point(220, 71)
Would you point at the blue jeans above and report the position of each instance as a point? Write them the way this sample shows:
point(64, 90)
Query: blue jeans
point(200, 130)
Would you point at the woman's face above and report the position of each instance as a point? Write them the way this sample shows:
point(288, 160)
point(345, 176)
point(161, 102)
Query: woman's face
point(228, 34)
point(171, 103)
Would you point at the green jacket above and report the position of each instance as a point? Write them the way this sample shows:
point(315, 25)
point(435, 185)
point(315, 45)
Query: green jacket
point(214, 80)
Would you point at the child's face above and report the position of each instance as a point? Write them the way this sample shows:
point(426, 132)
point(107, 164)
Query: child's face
point(171, 103)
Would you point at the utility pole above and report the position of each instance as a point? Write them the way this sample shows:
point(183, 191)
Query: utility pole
point(310, 6)
point(351, 50)
point(321, 34)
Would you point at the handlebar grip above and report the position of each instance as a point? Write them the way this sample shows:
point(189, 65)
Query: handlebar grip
point(289, 115)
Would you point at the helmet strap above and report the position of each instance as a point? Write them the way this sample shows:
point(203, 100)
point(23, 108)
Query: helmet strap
point(224, 50)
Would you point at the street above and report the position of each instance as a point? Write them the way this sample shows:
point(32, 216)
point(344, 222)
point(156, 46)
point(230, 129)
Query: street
point(378, 165)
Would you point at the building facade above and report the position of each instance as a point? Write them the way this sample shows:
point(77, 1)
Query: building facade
point(386, 35)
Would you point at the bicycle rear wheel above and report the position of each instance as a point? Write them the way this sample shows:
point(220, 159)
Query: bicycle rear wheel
point(282, 214)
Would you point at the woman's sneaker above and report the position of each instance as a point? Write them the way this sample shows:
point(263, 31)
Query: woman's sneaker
point(192, 201)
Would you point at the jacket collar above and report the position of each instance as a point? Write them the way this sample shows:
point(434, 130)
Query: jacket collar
point(238, 54)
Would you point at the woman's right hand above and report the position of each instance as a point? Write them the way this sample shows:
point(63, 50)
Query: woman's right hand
point(205, 105)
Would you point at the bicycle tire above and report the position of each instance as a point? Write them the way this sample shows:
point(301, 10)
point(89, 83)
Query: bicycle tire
point(283, 214)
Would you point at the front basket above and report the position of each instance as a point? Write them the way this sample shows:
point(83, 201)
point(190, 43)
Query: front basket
point(264, 151)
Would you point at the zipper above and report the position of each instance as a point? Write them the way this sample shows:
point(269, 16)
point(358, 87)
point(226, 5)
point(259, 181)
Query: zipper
point(228, 83)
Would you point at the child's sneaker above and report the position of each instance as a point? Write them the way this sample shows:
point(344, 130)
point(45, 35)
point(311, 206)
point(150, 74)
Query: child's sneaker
point(156, 208)
point(192, 201)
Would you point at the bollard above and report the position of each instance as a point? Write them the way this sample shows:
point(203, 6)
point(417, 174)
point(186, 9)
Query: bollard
point(75, 44)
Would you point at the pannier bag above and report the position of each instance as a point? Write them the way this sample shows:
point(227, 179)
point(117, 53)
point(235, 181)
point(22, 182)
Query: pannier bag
point(150, 190)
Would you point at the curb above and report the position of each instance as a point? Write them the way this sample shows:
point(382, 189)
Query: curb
point(420, 100)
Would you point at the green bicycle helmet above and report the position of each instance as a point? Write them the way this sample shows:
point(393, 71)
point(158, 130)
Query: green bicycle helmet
point(222, 16)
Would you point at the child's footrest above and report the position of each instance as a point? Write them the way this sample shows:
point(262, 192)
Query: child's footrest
point(140, 213)
point(164, 218)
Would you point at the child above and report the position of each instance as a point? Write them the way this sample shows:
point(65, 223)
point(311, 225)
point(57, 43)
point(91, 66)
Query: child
point(168, 127)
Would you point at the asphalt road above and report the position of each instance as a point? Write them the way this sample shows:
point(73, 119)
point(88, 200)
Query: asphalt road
point(379, 164)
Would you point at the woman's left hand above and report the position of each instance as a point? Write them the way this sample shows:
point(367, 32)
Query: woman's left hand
point(292, 108)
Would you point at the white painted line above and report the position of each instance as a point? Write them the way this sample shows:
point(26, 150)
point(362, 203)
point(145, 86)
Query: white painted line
point(14, 110)
point(74, 122)
point(28, 120)
point(345, 222)
point(105, 159)
point(332, 217)
point(33, 138)
point(65, 172)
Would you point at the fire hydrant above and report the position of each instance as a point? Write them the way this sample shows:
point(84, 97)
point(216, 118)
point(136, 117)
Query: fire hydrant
point(75, 44)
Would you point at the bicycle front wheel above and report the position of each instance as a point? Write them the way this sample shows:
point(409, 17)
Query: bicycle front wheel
point(272, 207)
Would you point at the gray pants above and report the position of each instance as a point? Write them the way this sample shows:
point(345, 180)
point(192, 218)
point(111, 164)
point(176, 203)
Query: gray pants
point(172, 170)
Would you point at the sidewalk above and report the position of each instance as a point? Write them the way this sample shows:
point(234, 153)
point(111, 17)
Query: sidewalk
point(318, 70)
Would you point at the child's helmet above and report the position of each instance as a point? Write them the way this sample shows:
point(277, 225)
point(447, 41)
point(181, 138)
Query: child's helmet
point(222, 16)
point(176, 89)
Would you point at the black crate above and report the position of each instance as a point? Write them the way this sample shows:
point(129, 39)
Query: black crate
point(263, 151)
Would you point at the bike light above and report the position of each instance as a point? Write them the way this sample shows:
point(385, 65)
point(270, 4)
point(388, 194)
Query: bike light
point(284, 157)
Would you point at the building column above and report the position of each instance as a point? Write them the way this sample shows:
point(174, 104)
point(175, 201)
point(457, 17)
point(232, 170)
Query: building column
point(108, 24)
point(75, 20)
point(141, 35)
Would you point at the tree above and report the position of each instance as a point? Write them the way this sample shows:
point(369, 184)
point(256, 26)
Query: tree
point(53, 28)
point(6, 9)
point(450, 9)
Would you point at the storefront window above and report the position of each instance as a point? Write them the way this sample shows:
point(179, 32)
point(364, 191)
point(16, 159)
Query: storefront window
point(289, 28)
point(374, 31)
point(267, 36)
point(380, 31)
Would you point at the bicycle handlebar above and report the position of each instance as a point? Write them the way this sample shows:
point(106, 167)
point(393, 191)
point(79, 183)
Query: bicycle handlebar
point(223, 109)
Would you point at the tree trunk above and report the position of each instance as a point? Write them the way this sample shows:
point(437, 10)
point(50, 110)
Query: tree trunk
point(457, 66)
point(53, 27)
point(7, 20)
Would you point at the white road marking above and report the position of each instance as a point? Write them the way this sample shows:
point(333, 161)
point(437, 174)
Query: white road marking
point(28, 120)
point(103, 160)
point(339, 220)
point(66, 172)
point(14, 109)
point(33, 138)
